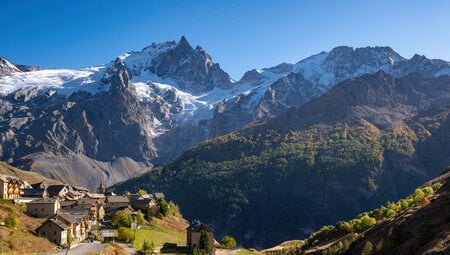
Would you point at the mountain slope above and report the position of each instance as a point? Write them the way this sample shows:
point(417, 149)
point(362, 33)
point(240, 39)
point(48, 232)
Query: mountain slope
point(147, 107)
point(425, 229)
point(28, 176)
point(368, 140)
point(417, 224)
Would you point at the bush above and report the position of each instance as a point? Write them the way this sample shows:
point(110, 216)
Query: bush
point(69, 237)
point(142, 192)
point(418, 196)
point(437, 186)
point(368, 249)
point(140, 218)
point(428, 191)
point(147, 246)
point(125, 234)
point(12, 221)
point(163, 207)
point(228, 242)
point(121, 219)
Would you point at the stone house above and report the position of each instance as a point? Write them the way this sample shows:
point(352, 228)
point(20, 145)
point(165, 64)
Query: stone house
point(196, 232)
point(55, 230)
point(57, 190)
point(43, 207)
point(99, 197)
point(10, 186)
point(143, 203)
point(117, 202)
point(90, 204)
point(78, 222)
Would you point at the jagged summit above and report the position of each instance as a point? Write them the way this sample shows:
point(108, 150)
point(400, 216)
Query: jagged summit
point(177, 97)
point(191, 69)
point(183, 43)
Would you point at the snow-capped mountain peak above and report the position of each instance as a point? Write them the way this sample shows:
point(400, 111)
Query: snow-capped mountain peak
point(168, 96)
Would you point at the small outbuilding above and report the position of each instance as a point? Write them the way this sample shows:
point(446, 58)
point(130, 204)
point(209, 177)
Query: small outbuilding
point(199, 235)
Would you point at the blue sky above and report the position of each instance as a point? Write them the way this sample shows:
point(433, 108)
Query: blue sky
point(239, 34)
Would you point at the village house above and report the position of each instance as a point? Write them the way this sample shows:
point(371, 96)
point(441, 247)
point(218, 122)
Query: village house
point(57, 190)
point(78, 221)
point(99, 197)
point(90, 204)
point(10, 186)
point(64, 223)
point(196, 232)
point(43, 207)
point(117, 202)
point(143, 203)
point(54, 230)
point(74, 194)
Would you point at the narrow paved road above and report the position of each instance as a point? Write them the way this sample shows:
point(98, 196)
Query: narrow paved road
point(82, 249)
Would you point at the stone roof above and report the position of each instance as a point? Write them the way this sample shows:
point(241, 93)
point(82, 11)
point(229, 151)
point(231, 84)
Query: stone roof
point(197, 225)
point(54, 190)
point(44, 201)
point(141, 201)
point(68, 203)
point(86, 201)
point(33, 192)
point(117, 199)
point(60, 224)
point(77, 214)
point(67, 216)
point(95, 195)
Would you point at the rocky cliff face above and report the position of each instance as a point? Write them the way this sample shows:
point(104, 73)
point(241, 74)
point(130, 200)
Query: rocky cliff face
point(148, 107)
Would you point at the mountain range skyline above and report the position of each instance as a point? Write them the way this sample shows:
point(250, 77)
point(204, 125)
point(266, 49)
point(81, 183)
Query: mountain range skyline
point(238, 34)
point(234, 79)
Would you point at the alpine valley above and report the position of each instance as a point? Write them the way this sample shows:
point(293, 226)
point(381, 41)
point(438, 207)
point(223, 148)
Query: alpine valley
point(271, 157)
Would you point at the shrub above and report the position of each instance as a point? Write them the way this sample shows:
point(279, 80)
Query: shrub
point(125, 234)
point(428, 191)
point(121, 219)
point(163, 207)
point(418, 196)
point(142, 192)
point(344, 227)
point(437, 186)
point(140, 218)
point(205, 243)
point(228, 242)
point(69, 237)
point(368, 249)
point(147, 246)
point(12, 221)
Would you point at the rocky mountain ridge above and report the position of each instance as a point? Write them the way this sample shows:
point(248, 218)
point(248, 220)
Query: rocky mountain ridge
point(115, 121)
